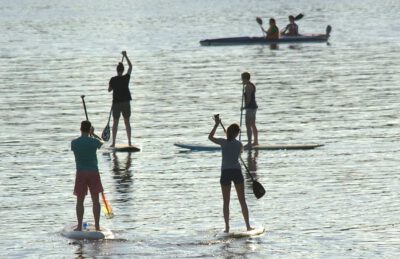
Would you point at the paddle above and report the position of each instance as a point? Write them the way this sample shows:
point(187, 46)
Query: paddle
point(105, 135)
point(105, 204)
point(258, 189)
point(241, 113)
point(84, 107)
point(328, 30)
point(298, 17)
point(260, 22)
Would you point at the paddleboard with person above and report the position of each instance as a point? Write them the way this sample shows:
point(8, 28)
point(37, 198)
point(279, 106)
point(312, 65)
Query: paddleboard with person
point(119, 85)
point(231, 170)
point(87, 173)
point(250, 105)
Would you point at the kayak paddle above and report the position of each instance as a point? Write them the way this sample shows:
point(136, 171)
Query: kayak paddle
point(260, 22)
point(298, 17)
point(105, 204)
point(258, 189)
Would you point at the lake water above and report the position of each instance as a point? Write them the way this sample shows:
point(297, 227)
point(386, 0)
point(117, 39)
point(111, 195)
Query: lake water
point(337, 201)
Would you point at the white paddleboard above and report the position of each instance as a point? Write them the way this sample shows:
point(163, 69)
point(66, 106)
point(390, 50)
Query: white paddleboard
point(242, 232)
point(125, 148)
point(89, 232)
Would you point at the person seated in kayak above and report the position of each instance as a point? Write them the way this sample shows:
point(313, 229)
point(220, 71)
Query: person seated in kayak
point(273, 30)
point(291, 29)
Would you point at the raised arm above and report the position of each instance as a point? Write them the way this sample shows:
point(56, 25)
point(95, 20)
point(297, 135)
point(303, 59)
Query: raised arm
point(129, 62)
point(214, 129)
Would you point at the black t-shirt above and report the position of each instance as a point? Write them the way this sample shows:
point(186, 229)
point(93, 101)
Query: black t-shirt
point(120, 88)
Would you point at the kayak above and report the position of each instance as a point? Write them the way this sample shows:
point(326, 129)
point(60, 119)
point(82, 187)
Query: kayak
point(310, 38)
point(196, 147)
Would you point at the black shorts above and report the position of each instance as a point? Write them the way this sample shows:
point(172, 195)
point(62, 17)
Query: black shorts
point(229, 175)
point(122, 107)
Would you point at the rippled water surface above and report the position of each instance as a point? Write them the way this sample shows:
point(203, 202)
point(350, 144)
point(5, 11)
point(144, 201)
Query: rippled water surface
point(337, 201)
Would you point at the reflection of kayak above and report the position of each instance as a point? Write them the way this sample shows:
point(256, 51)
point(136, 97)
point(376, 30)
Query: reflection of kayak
point(194, 147)
point(263, 40)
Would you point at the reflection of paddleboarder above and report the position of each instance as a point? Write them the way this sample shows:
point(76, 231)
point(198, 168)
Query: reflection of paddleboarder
point(231, 170)
point(87, 173)
point(121, 99)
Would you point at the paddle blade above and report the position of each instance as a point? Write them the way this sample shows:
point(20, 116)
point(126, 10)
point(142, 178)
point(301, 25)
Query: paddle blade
point(328, 30)
point(258, 189)
point(106, 133)
point(298, 17)
point(259, 20)
point(107, 209)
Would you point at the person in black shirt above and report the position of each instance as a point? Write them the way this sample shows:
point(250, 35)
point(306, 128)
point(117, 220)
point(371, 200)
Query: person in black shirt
point(250, 105)
point(121, 98)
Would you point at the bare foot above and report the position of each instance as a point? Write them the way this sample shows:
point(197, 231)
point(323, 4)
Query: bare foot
point(78, 229)
point(226, 230)
point(247, 146)
point(250, 228)
point(254, 144)
point(112, 145)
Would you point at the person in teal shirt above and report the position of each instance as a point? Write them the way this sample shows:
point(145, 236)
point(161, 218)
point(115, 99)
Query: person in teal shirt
point(87, 173)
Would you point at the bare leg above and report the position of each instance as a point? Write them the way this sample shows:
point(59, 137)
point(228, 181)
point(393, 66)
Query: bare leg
point(249, 132)
point(255, 133)
point(226, 195)
point(242, 200)
point(114, 130)
point(128, 130)
point(79, 212)
point(96, 211)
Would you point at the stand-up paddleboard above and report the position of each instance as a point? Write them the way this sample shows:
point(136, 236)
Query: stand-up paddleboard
point(194, 147)
point(124, 148)
point(242, 232)
point(88, 232)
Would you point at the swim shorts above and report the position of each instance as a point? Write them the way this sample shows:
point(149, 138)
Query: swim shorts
point(251, 114)
point(122, 107)
point(229, 175)
point(85, 180)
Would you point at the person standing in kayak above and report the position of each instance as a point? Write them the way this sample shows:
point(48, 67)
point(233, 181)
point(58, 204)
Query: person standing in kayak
point(250, 105)
point(121, 99)
point(231, 170)
point(273, 30)
point(291, 29)
point(87, 173)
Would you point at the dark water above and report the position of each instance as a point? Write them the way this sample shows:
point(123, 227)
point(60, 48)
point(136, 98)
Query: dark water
point(338, 201)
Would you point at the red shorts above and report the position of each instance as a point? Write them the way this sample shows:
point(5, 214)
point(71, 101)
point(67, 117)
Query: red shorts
point(85, 180)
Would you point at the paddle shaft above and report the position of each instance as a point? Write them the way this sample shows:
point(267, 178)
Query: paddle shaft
point(87, 118)
point(241, 114)
point(245, 166)
point(105, 202)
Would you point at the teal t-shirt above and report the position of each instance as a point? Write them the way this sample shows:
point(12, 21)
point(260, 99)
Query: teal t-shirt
point(85, 149)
